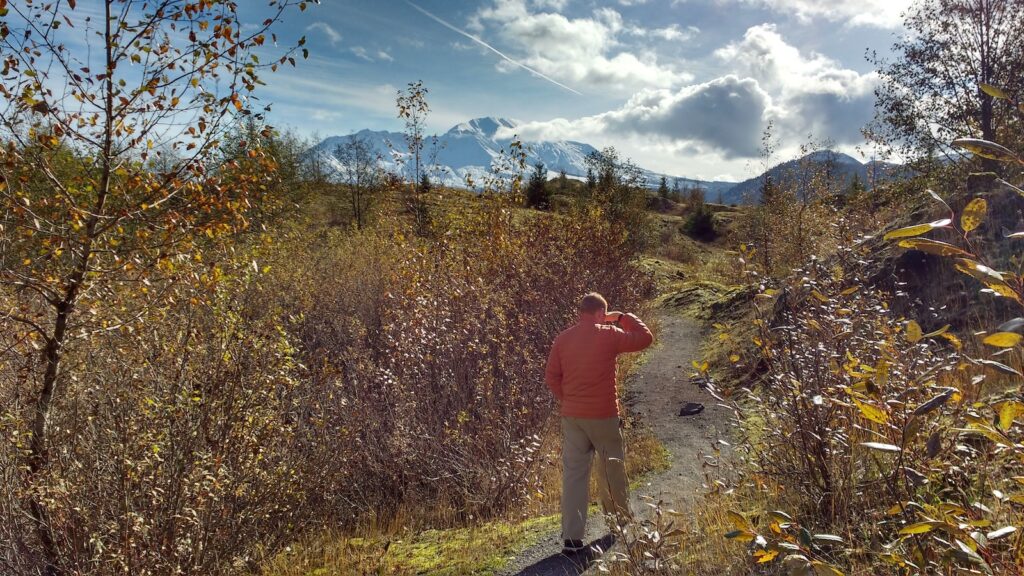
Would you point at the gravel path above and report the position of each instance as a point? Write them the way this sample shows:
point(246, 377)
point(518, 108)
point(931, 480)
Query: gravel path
point(655, 392)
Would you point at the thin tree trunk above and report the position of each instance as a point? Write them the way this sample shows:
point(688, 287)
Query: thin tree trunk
point(53, 353)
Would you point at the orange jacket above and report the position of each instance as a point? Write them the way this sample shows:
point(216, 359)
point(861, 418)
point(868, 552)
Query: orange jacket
point(581, 366)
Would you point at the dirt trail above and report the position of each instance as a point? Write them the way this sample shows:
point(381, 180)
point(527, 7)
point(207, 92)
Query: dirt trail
point(655, 393)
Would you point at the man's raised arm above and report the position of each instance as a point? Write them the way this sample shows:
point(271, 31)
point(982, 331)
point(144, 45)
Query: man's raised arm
point(634, 335)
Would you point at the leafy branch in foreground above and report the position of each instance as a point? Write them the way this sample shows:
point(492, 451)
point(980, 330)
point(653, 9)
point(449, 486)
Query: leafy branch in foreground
point(905, 448)
point(110, 180)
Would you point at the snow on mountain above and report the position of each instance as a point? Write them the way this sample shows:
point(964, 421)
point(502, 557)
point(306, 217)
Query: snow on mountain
point(469, 149)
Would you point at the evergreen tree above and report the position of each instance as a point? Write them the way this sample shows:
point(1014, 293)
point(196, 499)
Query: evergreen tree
point(425, 184)
point(663, 190)
point(696, 197)
point(621, 193)
point(677, 190)
point(537, 194)
point(856, 186)
point(563, 182)
point(591, 180)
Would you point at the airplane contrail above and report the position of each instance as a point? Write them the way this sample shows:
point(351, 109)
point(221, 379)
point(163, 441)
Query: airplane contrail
point(491, 48)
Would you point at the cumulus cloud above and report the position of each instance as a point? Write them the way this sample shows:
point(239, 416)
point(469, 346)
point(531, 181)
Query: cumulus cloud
point(725, 115)
point(585, 51)
point(815, 94)
point(767, 80)
point(874, 13)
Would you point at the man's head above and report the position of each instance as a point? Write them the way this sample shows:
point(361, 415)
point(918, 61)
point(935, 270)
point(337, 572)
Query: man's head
point(593, 306)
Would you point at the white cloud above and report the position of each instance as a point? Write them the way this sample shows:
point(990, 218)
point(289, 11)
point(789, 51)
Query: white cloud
point(765, 79)
point(671, 33)
point(556, 5)
point(725, 116)
point(333, 36)
point(384, 55)
point(362, 53)
point(815, 93)
point(874, 13)
point(585, 51)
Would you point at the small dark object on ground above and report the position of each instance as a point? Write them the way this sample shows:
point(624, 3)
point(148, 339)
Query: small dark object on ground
point(691, 409)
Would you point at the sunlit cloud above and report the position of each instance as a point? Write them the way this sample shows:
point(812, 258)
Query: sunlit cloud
point(493, 49)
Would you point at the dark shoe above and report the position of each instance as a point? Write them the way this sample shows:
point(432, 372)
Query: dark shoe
point(691, 409)
point(573, 547)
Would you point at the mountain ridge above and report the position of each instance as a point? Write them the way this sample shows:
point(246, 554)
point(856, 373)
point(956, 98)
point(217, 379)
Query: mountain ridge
point(468, 149)
point(843, 168)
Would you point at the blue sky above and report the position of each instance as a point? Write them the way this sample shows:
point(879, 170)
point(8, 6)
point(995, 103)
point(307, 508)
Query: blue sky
point(683, 87)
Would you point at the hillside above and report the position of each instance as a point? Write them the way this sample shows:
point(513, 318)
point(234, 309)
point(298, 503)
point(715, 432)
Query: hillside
point(842, 167)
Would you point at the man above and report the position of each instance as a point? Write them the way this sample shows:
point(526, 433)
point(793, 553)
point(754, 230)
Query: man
point(581, 375)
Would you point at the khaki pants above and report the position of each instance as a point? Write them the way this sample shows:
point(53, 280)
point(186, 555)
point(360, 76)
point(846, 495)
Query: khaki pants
point(581, 438)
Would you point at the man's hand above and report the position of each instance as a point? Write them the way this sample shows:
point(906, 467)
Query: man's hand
point(613, 317)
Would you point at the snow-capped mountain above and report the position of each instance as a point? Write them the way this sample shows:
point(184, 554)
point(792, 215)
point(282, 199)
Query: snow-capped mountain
point(470, 148)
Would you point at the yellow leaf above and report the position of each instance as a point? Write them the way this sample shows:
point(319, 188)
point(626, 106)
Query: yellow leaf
point(744, 537)
point(768, 556)
point(920, 528)
point(1008, 412)
point(985, 149)
point(734, 358)
point(938, 332)
point(932, 247)
point(739, 522)
point(974, 214)
point(871, 412)
point(1001, 288)
point(819, 296)
point(1003, 339)
point(896, 508)
point(917, 230)
point(914, 333)
point(953, 340)
point(825, 568)
point(993, 91)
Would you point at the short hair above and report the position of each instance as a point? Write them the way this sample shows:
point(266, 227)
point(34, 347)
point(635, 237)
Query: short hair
point(593, 302)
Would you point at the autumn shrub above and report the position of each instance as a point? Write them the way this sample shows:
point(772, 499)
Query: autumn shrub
point(171, 445)
point(887, 447)
point(426, 355)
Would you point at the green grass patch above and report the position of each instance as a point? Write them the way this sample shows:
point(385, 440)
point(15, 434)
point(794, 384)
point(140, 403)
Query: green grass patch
point(481, 549)
point(656, 459)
